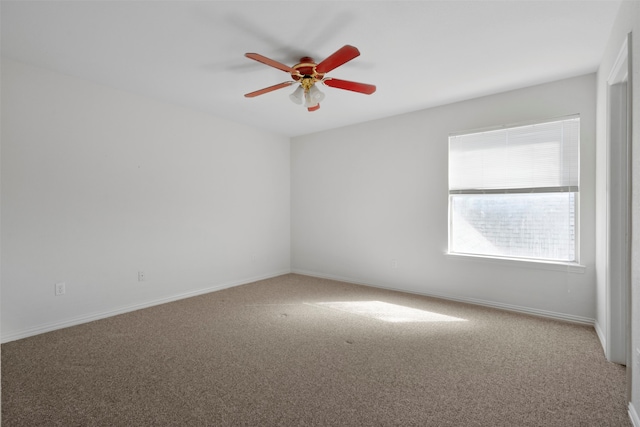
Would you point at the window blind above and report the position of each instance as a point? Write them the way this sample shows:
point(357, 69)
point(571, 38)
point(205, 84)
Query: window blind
point(542, 157)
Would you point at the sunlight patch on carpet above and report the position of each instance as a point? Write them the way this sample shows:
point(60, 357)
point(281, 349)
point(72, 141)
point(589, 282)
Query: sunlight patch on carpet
point(388, 312)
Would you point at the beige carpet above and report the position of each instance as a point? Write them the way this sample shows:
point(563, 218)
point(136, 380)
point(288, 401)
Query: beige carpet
point(301, 351)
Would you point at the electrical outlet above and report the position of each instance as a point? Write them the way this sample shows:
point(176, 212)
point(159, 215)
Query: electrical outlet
point(394, 263)
point(140, 276)
point(60, 288)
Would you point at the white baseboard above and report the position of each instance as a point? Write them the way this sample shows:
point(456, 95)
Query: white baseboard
point(508, 307)
point(601, 336)
point(121, 310)
point(633, 415)
point(126, 309)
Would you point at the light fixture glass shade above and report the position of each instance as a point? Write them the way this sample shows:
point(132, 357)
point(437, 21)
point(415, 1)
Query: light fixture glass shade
point(308, 102)
point(296, 96)
point(315, 94)
point(312, 97)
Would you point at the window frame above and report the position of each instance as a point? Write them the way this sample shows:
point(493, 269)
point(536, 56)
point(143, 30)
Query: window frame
point(573, 266)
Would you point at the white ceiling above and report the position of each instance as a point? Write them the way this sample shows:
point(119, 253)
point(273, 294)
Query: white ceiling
point(419, 53)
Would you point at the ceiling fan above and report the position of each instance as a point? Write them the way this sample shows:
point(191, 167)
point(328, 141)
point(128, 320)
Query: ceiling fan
point(307, 73)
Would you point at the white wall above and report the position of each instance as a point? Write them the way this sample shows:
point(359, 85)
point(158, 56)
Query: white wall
point(628, 20)
point(364, 195)
point(98, 184)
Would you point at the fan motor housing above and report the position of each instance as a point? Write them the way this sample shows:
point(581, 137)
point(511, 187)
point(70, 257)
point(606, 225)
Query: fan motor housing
point(307, 69)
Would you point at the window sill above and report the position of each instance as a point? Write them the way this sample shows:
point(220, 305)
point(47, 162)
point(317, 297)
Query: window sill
point(568, 267)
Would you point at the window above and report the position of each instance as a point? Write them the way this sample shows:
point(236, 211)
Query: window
point(514, 192)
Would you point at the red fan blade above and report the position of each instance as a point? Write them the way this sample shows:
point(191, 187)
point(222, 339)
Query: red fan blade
point(314, 108)
point(268, 89)
point(353, 86)
point(344, 54)
point(270, 62)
